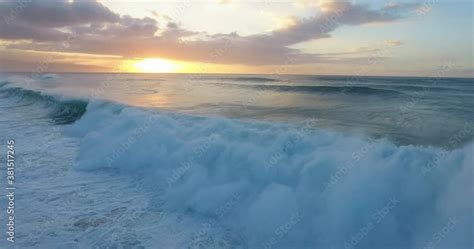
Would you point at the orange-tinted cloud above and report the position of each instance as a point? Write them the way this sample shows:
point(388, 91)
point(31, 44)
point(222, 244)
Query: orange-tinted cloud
point(89, 27)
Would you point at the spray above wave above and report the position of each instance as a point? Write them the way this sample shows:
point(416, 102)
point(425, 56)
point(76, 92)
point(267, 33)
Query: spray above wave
point(296, 186)
point(60, 110)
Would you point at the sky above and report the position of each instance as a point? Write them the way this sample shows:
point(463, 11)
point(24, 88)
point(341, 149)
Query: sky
point(319, 37)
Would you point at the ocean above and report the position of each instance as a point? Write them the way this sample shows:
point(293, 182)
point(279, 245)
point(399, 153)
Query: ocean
point(239, 161)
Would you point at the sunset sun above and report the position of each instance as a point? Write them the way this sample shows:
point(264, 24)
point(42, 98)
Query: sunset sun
point(155, 65)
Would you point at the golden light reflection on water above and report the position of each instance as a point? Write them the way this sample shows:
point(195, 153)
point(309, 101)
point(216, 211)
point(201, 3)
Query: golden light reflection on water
point(149, 100)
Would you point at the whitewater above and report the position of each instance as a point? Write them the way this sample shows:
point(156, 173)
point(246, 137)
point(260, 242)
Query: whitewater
point(240, 161)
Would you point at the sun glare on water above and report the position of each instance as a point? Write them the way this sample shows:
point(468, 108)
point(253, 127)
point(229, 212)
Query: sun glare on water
point(155, 66)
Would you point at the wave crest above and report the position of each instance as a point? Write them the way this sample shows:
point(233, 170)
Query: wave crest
point(60, 110)
point(297, 187)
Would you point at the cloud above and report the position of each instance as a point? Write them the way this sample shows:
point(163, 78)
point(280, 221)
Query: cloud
point(126, 26)
point(394, 42)
point(57, 13)
point(98, 30)
point(39, 20)
point(23, 31)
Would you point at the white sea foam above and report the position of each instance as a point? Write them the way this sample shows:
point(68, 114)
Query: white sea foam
point(280, 186)
point(262, 185)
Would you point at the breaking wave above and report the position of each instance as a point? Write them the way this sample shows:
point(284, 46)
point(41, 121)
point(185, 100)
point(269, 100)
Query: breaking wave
point(275, 185)
point(60, 110)
point(281, 186)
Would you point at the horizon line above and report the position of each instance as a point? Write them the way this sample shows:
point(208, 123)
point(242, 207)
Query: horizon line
point(289, 74)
